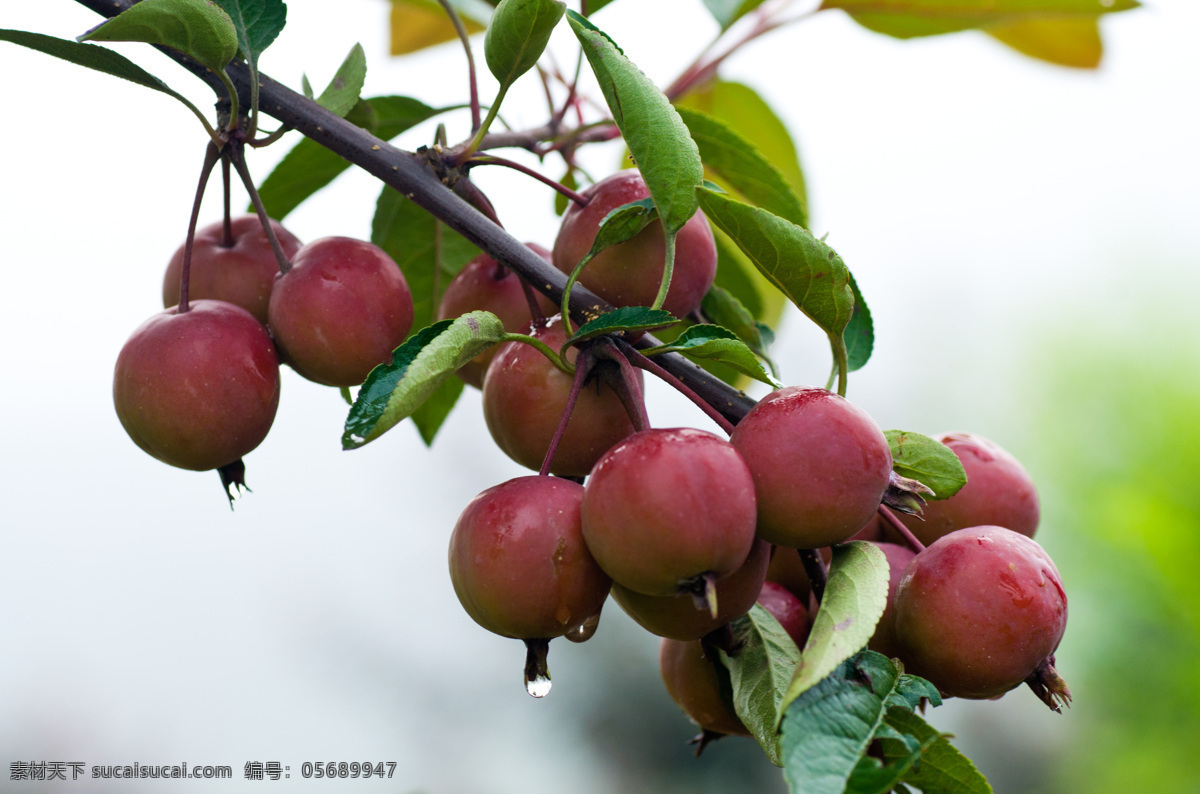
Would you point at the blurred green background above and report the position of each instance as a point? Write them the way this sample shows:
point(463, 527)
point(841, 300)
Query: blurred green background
point(1024, 235)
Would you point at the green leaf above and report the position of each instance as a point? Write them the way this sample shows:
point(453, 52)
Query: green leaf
point(199, 29)
point(432, 413)
point(392, 392)
point(341, 95)
point(309, 166)
point(657, 138)
point(517, 36)
point(908, 18)
point(411, 236)
point(92, 56)
point(718, 344)
point(1067, 41)
point(742, 167)
point(854, 599)
point(257, 23)
point(623, 224)
point(860, 331)
point(626, 318)
point(942, 769)
point(726, 12)
point(741, 109)
point(417, 24)
point(739, 275)
point(928, 461)
point(760, 673)
point(827, 730)
point(722, 308)
point(806, 270)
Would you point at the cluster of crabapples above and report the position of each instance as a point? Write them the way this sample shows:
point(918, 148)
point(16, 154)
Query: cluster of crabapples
point(687, 530)
point(197, 385)
point(684, 529)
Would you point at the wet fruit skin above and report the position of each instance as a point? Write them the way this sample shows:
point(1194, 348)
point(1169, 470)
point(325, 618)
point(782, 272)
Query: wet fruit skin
point(340, 311)
point(242, 274)
point(998, 492)
point(665, 506)
point(484, 284)
point(678, 617)
point(820, 463)
point(198, 390)
point(523, 399)
point(629, 274)
point(979, 610)
point(518, 561)
point(884, 639)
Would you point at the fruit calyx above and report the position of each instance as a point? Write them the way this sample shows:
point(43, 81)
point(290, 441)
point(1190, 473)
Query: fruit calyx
point(1049, 686)
point(906, 495)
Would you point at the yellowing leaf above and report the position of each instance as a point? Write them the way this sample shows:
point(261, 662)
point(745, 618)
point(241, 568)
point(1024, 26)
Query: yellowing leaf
point(417, 24)
point(1069, 41)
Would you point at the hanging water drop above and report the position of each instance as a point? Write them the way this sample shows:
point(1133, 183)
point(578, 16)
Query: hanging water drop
point(537, 673)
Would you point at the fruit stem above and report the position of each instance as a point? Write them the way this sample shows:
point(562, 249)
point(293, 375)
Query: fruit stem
point(461, 30)
point(668, 270)
point(471, 193)
point(211, 155)
point(583, 368)
point(237, 156)
point(227, 240)
point(491, 159)
point(544, 349)
point(638, 360)
point(626, 386)
point(814, 566)
point(904, 531)
point(565, 303)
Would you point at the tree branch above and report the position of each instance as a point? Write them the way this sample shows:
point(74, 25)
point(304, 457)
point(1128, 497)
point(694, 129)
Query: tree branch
point(407, 173)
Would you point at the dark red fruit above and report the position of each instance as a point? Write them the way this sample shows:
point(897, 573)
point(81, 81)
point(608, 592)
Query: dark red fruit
point(821, 466)
point(999, 492)
point(242, 274)
point(884, 639)
point(979, 611)
point(523, 400)
point(484, 284)
point(692, 683)
point(340, 311)
point(679, 618)
point(629, 274)
point(664, 509)
point(198, 390)
point(789, 610)
point(518, 561)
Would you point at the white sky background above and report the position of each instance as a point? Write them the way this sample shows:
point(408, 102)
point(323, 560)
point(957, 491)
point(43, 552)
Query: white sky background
point(978, 197)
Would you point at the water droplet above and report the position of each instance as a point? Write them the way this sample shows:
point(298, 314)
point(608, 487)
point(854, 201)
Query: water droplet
point(538, 686)
point(584, 631)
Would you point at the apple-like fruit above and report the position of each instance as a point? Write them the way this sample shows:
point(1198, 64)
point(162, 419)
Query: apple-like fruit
point(630, 273)
point(242, 273)
point(198, 390)
point(340, 311)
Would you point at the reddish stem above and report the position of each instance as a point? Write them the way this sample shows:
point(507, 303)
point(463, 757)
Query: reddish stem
point(583, 367)
point(626, 386)
point(237, 156)
point(904, 531)
point(491, 159)
point(211, 155)
point(227, 240)
point(638, 360)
